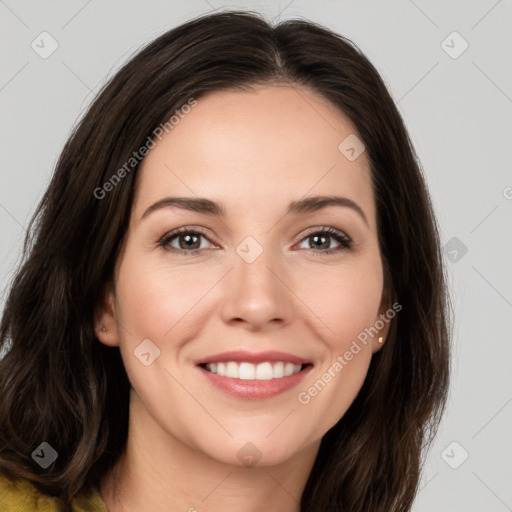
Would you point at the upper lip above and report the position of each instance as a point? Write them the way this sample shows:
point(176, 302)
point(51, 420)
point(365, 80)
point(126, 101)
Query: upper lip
point(253, 357)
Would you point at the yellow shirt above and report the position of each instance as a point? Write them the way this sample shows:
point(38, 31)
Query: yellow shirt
point(22, 496)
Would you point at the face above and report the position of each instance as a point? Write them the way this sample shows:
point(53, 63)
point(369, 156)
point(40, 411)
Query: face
point(243, 321)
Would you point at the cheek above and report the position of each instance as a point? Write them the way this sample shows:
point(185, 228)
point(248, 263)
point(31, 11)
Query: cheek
point(168, 305)
point(346, 298)
point(158, 303)
point(354, 308)
point(155, 299)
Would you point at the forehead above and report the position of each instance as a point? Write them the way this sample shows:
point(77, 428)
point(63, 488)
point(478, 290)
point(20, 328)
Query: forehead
point(270, 145)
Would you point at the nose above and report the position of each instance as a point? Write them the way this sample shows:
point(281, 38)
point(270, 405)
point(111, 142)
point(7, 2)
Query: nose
point(256, 294)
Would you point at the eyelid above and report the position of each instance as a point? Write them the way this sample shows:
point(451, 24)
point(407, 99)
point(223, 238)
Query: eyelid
point(324, 229)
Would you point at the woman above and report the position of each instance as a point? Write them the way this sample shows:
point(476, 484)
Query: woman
point(233, 293)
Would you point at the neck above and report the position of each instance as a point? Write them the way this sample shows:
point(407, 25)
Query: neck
point(157, 472)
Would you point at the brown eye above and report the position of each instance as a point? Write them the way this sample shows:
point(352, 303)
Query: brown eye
point(187, 242)
point(321, 240)
point(184, 241)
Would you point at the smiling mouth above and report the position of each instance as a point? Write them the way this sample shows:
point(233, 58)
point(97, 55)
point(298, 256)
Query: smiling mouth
point(248, 371)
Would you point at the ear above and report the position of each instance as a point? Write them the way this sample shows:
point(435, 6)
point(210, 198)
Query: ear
point(382, 323)
point(105, 319)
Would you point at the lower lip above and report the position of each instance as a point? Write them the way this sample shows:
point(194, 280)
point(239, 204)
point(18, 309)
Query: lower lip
point(254, 389)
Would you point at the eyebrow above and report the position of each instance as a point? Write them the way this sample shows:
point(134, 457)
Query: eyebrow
point(208, 207)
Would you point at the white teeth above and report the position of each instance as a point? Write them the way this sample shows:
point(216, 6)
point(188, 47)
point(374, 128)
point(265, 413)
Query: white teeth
point(264, 371)
point(249, 371)
point(288, 369)
point(246, 371)
point(232, 370)
point(278, 370)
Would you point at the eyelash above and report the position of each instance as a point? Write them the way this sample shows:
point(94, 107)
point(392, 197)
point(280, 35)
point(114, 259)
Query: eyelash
point(344, 241)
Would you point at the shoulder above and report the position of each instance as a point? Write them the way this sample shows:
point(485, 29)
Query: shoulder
point(19, 495)
point(89, 500)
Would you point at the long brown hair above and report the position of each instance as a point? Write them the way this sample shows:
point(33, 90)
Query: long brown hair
point(59, 384)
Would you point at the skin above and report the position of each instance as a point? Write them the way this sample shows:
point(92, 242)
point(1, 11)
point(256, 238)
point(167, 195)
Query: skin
point(253, 152)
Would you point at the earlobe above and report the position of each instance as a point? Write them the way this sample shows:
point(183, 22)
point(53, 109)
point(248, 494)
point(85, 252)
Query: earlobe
point(382, 323)
point(106, 336)
point(105, 320)
point(378, 342)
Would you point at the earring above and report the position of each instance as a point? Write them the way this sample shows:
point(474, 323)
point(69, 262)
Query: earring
point(381, 340)
point(103, 329)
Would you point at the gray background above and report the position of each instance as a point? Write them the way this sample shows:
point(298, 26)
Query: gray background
point(457, 107)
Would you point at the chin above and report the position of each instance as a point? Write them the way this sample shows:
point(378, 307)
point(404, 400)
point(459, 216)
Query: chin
point(255, 450)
